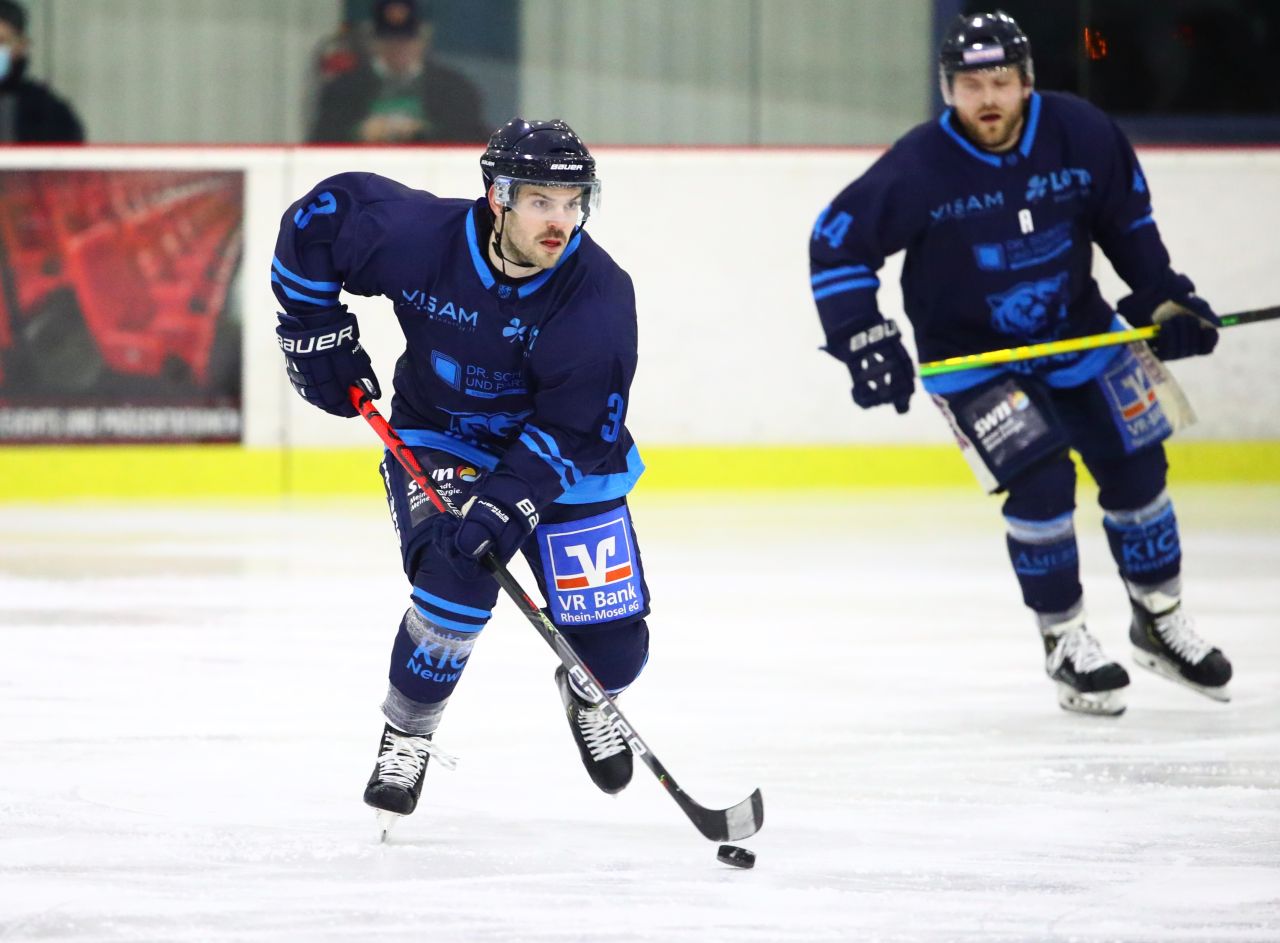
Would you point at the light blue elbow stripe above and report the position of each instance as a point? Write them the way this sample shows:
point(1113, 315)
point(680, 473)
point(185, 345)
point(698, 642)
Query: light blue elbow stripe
point(1148, 220)
point(839, 273)
point(841, 287)
point(304, 282)
point(435, 619)
point(441, 603)
point(299, 296)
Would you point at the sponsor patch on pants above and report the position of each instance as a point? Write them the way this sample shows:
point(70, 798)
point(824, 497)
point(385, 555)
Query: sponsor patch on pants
point(591, 570)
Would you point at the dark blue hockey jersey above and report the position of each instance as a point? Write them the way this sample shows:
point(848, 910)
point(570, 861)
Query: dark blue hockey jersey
point(999, 246)
point(528, 378)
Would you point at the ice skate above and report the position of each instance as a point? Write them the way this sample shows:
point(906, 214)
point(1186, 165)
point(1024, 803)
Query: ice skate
point(1168, 645)
point(605, 753)
point(1088, 681)
point(396, 783)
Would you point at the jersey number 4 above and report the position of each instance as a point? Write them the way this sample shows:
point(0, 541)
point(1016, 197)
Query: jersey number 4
point(833, 230)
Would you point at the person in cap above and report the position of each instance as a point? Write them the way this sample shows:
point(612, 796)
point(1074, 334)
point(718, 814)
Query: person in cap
point(398, 94)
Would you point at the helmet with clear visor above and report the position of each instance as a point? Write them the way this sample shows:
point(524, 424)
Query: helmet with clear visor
point(542, 170)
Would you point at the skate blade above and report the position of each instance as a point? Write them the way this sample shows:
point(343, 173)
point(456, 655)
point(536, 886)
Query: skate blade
point(386, 822)
point(1158, 666)
point(1098, 703)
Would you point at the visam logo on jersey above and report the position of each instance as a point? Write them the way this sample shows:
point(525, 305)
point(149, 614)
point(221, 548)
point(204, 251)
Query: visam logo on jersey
point(591, 570)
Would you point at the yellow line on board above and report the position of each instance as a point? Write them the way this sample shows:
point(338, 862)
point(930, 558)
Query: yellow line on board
point(53, 473)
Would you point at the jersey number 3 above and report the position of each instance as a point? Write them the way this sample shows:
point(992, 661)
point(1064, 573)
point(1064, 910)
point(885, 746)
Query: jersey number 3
point(323, 205)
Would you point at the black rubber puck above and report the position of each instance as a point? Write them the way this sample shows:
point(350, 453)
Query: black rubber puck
point(735, 856)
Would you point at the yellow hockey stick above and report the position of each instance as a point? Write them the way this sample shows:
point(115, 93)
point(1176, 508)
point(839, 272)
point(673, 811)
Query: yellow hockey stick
point(1072, 344)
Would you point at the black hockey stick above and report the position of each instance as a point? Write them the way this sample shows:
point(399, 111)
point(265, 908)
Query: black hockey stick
point(1072, 344)
point(732, 824)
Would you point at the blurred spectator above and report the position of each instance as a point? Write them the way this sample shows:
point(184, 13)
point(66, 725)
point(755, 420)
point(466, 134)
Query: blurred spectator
point(29, 112)
point(398, 93)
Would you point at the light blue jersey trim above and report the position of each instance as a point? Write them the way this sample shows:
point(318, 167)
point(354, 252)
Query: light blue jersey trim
point(430, 439)
point(1024, 148)
point(477, 259)
point(1033, 123)
point(524, 291)
point(960, 139)
point(1148, 220)
point(840, 288)
point(1082, 371)
point(334, 287)
point(534, 439)
point(299, 296)
point(595, 488)
point(839, 273)
point(589, 490)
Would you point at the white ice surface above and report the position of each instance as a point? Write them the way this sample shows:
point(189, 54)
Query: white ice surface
point(188, 713)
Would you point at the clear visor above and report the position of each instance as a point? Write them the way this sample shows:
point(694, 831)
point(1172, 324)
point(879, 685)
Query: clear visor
point(566, 203)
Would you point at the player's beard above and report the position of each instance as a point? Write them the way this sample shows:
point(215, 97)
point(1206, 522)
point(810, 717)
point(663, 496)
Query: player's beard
point(999, 138)
point(532, 255)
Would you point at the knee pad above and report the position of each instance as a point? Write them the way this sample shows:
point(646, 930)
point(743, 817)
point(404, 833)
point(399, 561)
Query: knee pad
point(615, 654)
point(1046, 490)
point(1133, 481)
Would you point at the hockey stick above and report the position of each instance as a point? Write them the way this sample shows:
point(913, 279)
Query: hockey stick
point(1047, 349)
point(732, 824)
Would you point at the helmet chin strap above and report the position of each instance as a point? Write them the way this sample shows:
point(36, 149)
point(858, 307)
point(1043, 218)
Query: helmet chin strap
point(499, 225)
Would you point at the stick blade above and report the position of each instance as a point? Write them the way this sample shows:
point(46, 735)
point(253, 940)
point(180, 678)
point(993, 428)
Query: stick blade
point(732, 824)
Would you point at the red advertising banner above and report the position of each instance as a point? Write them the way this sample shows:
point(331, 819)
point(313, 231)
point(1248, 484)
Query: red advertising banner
point(119, 321)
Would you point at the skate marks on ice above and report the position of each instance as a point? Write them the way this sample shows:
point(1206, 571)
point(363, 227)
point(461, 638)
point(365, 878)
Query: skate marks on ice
point(187, 712)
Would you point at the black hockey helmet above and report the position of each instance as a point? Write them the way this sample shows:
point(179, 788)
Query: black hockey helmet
point(983, 41)
point(537, 150)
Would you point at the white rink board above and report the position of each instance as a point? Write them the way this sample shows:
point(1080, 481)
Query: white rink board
point(716, 242)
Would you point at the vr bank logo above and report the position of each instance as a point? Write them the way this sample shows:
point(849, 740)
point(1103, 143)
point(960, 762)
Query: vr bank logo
point(591, 570)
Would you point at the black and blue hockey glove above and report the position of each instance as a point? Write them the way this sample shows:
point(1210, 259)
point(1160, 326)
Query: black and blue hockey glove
point(880, 366)
point(486, 526)
point(323, 358)
point(1188, 326)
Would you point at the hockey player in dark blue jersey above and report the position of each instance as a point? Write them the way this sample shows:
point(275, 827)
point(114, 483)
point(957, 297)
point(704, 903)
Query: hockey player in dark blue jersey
point(512, 390)
point(997, 205)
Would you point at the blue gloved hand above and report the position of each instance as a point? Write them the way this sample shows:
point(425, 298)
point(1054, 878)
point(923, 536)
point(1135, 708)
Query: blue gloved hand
point(486, 526)
point(880, 366)
point(323, 359)
point(1188, 327)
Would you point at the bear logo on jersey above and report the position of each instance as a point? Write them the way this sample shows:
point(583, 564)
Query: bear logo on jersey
point(1030, 309)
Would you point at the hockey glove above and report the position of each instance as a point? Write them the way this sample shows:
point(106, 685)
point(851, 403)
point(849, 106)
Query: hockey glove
point(323, 358)
point(1188, 326)
point(880, 366)
point(486, 526)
